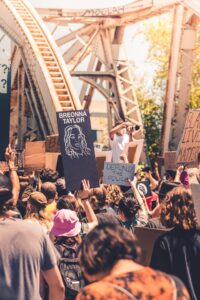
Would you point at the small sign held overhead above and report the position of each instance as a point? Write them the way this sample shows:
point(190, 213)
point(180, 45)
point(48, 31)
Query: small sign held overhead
point(118, 173)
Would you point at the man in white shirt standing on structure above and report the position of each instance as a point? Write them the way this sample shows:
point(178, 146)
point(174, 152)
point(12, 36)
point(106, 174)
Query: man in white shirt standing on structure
point(120, 135)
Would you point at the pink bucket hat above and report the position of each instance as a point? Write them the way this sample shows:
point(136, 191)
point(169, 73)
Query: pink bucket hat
point(66, 223)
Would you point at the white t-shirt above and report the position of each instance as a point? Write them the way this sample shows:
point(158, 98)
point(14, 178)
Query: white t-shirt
point(118, 144)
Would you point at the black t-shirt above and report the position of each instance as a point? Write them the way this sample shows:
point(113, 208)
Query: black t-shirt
point(177, 252)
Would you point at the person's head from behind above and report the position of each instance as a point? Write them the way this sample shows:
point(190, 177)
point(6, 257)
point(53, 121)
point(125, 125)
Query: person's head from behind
point(177, 209)
point(170, 175)
point(48, 175)
point(66, 202)
point(66, 227)
point(49, 190)
point(61, 187)
point(69, 202)
point(128, 208)
point(98, 198)
point(103, 247)
point(36, 204)
point(113, 194)
point(5, 194)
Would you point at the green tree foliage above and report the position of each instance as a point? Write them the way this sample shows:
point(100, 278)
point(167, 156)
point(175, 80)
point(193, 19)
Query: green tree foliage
point(152, 118)
point(157, 32)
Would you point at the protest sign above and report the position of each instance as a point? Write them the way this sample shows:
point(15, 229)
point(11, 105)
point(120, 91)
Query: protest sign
point(189, 147)
point(5, 92)
point(51, 160)
point(77, 148)
point(34, 155)
point(146, 238)
point(143, 188)
point(195, 188)
point(170, 160)
point(52, 144)
point(118, 173)
point(101, 157)
point(133, 151)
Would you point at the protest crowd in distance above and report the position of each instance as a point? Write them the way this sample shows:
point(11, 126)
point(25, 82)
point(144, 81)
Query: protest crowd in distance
point(99, 226)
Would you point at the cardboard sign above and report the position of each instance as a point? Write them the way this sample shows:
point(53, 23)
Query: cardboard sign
point(118, 173)
point(51, 160)
point(77, 148)
point(133, 151)
point(34, 155)
point(52, 144)
point(146, 238)
point(101, 157)
point(170, 160)
point(5, 92)
point(195, 188)
point(143, 188)
point(189, 148)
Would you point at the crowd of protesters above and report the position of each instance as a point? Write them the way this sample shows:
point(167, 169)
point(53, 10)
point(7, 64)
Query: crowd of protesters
point(57, 244)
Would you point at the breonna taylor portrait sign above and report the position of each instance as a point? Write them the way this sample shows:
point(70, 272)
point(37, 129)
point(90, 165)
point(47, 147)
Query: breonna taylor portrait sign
point(77, 148)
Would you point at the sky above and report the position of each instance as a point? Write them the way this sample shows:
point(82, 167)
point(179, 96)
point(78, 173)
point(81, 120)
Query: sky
point(135, 46)
point(131, 44)
point(79, 3)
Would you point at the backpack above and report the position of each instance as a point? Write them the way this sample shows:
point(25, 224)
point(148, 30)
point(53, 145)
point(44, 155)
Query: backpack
point(70, 270)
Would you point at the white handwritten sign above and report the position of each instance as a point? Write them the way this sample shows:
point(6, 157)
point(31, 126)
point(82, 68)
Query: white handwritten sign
point(4, 68)
point(118, 174)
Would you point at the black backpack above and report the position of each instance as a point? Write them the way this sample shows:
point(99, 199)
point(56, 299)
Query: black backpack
point(70, 270)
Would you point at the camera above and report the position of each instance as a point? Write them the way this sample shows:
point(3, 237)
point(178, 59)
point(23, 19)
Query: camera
point(134, 128)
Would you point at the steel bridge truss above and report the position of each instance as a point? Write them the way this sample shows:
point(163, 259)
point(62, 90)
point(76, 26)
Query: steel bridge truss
point(92, 49)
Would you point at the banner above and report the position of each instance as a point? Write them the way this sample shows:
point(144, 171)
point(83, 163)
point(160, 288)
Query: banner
point(5, 92)
point(189, 148)
point(77, 148)
point(118, 173)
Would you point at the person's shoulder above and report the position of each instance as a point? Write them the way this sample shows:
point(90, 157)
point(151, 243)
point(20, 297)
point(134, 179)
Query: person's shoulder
point(169, 282)
point(181, 290)
point(93, 291)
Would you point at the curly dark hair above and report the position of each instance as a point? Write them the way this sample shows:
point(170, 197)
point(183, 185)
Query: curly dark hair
point(177, 210)
point(104, 246)
point(129, 207)
point(48, 175)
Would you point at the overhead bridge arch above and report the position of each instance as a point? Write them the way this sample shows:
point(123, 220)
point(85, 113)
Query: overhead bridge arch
point(47, 72)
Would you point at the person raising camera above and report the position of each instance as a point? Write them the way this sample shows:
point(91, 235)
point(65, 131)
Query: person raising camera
point(120, 135)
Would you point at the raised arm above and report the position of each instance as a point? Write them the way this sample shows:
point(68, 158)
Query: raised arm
point(117, 128)
point(10, 158)
point(138, 197)
point(55, 284)
point(84, 195)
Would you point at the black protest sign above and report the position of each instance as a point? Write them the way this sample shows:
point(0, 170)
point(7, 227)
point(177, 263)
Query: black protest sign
point(5, 92)
point(77, 148)
point(189, 148)
point(118, 173)
point(143, 188)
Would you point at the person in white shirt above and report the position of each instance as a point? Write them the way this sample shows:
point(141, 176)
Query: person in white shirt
point(120, 135)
